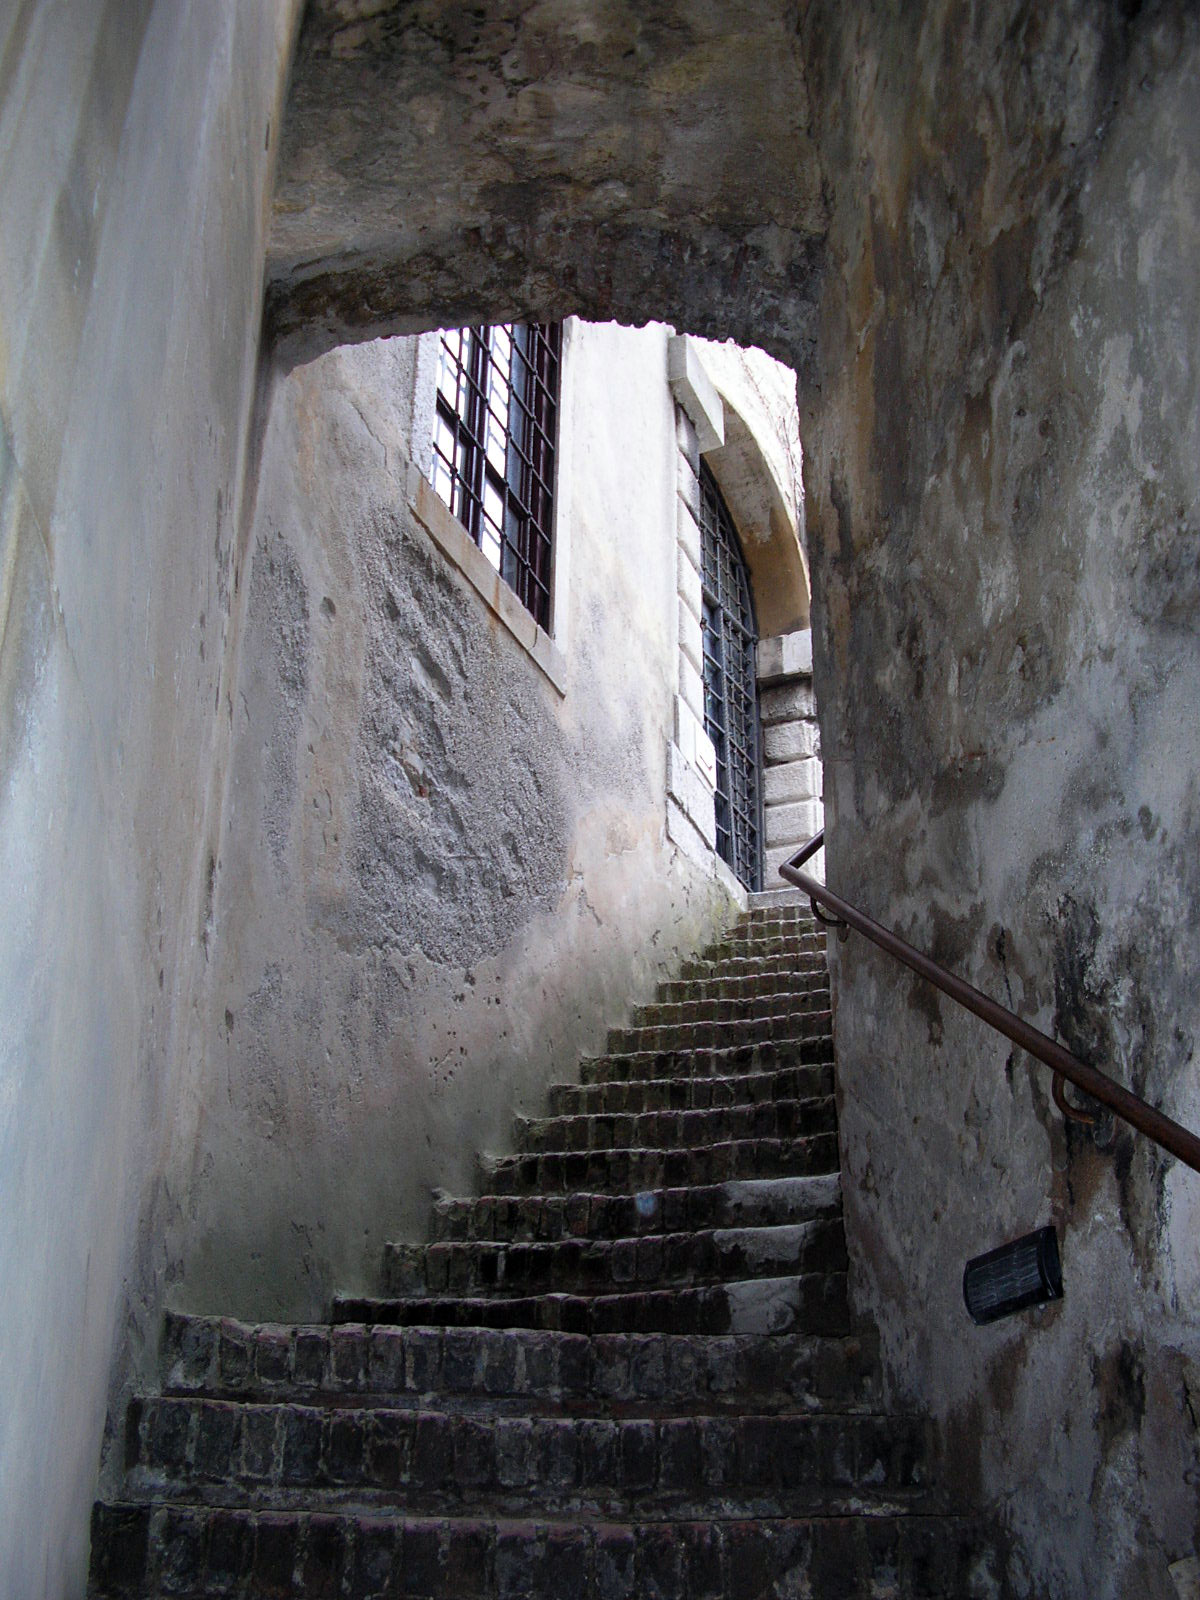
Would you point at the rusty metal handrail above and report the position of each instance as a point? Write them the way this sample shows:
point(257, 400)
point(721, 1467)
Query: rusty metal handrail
point(1154, 1124)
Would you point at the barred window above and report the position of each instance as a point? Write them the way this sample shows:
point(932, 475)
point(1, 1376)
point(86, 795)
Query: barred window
point(729, 637)
point(493, 448)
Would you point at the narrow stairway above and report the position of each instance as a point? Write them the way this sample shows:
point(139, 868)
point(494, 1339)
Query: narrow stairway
point(626, 1371)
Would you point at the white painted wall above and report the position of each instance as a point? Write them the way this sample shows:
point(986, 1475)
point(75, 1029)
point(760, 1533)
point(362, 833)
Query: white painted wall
point(141, 881)
point(136, 143)
point(446, 868)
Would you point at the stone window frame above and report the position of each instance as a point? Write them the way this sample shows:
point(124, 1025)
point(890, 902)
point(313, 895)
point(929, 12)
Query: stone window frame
point(495, 446)
point(789, 750)
point(691, 758)
point(729, 639)
point(545, 646)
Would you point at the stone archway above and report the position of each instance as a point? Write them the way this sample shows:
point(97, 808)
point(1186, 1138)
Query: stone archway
point(446, 164)
point(972, 229)
point(931, 213)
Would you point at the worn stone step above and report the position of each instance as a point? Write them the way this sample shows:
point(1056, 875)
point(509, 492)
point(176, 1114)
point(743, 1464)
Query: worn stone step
point(613, 1266)
point(744, 987)
point(642, 1333)
point(748, 1203)
point(629, 1170)
point(788, 914)
point(230, 1452)
point(726, 1062)
point(722, 963)
point(708, 1004)
point(202, 1553)
point(793, 920)
point(679, 1130)
point(813, 1304)
point(768, 944)
point(691, 1093)
point(472, 1367)
point(799, 1023)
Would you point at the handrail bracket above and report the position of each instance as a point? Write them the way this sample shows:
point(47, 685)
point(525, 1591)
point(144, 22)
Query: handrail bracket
point(842, 929)
point(1058, 1089)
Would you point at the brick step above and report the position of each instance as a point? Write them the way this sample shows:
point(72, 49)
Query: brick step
point(615, 1266)
point(674, 990)
point(678, 1130)
point(804, 954)
point(680, 1036)
point(201, 1553)
point(813, 1304)
point(721, 968)
point(748, 1203)
point(709, 1005)
point(473, 1367)
point(691, 1093)
point(641, 1335)
point(624, 1170)
point(729, 1062)
point(237, 1453)
point(800, 945)
point(776, 922)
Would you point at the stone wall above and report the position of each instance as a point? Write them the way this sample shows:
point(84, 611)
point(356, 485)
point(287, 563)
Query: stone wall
point(791, 750)
point(448, 863)
point(973, 231)
point(1002, 493)
point(136, 147)
point(967, 228)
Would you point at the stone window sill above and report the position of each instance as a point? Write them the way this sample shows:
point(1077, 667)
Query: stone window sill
point(456, 544)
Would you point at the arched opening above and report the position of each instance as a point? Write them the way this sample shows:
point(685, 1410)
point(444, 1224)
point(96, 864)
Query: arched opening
point(972, 231)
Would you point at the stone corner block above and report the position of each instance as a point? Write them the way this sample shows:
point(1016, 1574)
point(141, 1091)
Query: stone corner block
point(694, 391)
point(682, 832)
point(775, 856)
point(792, 780)
point(791, 741)
point(794, 824)
point(693, 796)
point(694, 744)
point(785, 655)
point(787, 700)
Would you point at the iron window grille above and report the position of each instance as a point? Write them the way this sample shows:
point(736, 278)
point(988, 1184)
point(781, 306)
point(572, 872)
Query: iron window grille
point(493, 450)
point(730, 636)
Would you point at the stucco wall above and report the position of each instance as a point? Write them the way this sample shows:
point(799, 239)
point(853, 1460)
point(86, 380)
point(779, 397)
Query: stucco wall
point(442, 875)
point(973, 230)
point(967, 227)
point(136, 142)
point(1003, 480)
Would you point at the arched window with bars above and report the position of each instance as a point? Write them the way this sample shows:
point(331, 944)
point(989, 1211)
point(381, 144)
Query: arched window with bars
point(729, 637)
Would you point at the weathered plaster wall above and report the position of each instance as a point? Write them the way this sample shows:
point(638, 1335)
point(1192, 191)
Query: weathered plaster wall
point(547, 158)
point(440, 878)
point(135, 147)
point(1003, 465)
point(972, 228)
point(969, 228)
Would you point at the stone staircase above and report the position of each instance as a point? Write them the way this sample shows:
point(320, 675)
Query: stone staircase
point(626, 1371)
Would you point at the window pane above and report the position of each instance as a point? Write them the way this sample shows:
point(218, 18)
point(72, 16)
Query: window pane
point(730, 688)
point(494, 440)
